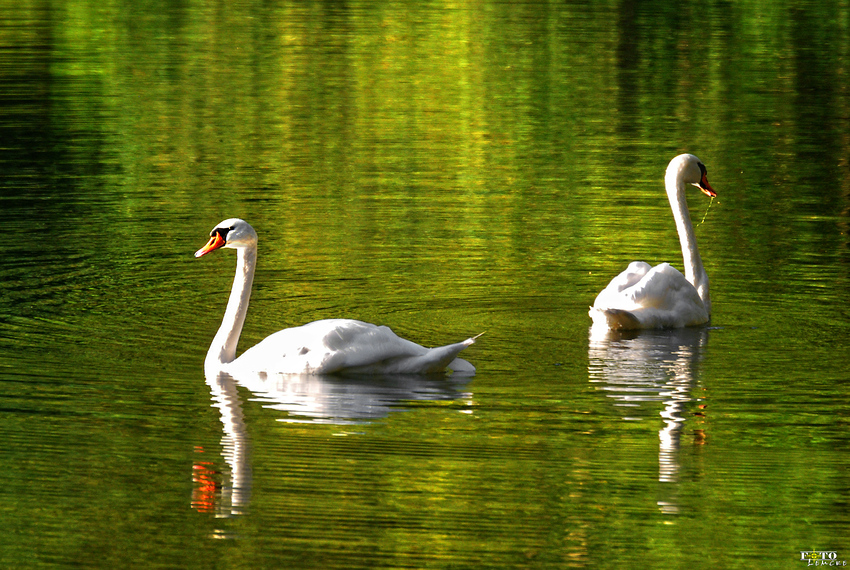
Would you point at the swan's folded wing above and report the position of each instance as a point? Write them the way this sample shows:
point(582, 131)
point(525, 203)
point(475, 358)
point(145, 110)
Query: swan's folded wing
point(344, 345)
point(616, 293)
point(365, 348)
point(631, 276)
point(355, 344)
point(667, 299)
point(664, 288)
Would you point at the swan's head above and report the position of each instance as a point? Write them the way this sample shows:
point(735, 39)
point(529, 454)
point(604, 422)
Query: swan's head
point(690, 170)
point(233, 233)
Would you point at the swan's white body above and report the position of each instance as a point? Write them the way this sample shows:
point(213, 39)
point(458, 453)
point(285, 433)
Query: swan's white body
point(645, 297)
point(330, 346)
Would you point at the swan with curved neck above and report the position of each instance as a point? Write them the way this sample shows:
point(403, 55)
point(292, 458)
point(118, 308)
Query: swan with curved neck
point(645, 297)
point(328, 346)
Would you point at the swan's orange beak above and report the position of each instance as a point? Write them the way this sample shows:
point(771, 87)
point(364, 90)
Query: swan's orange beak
point(216, 241)
point(706, 187)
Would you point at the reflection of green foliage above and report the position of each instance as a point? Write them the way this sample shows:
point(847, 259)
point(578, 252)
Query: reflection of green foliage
point(406, 120)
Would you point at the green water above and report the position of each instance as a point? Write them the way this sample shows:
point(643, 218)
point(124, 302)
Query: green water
point(444, 169)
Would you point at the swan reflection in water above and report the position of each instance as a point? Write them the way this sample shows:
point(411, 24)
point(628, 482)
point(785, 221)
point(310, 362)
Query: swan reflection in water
point(304, 398)
point(652, 366)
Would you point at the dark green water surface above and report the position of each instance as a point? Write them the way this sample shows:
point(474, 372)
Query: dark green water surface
point(444, 169)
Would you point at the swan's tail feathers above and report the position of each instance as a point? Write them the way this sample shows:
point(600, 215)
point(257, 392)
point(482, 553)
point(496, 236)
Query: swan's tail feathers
point(442, 357)
point(438, 359)
point(471, 341)
point(458, 366)
point(614, 319)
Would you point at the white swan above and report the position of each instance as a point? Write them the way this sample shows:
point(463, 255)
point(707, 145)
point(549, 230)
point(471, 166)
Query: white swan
point(321, 347)
point(644, 297)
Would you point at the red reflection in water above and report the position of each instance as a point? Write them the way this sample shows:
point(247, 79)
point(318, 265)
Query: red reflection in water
point(205, 484)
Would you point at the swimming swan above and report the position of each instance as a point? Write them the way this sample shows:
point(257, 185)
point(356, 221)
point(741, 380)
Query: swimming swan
point(645, 297)
point(322, 347)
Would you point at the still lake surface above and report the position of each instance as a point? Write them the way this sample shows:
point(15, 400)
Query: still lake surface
point(444, 169)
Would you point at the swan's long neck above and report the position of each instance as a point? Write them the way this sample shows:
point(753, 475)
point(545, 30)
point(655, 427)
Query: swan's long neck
point(694, 270)
point(223, 347)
